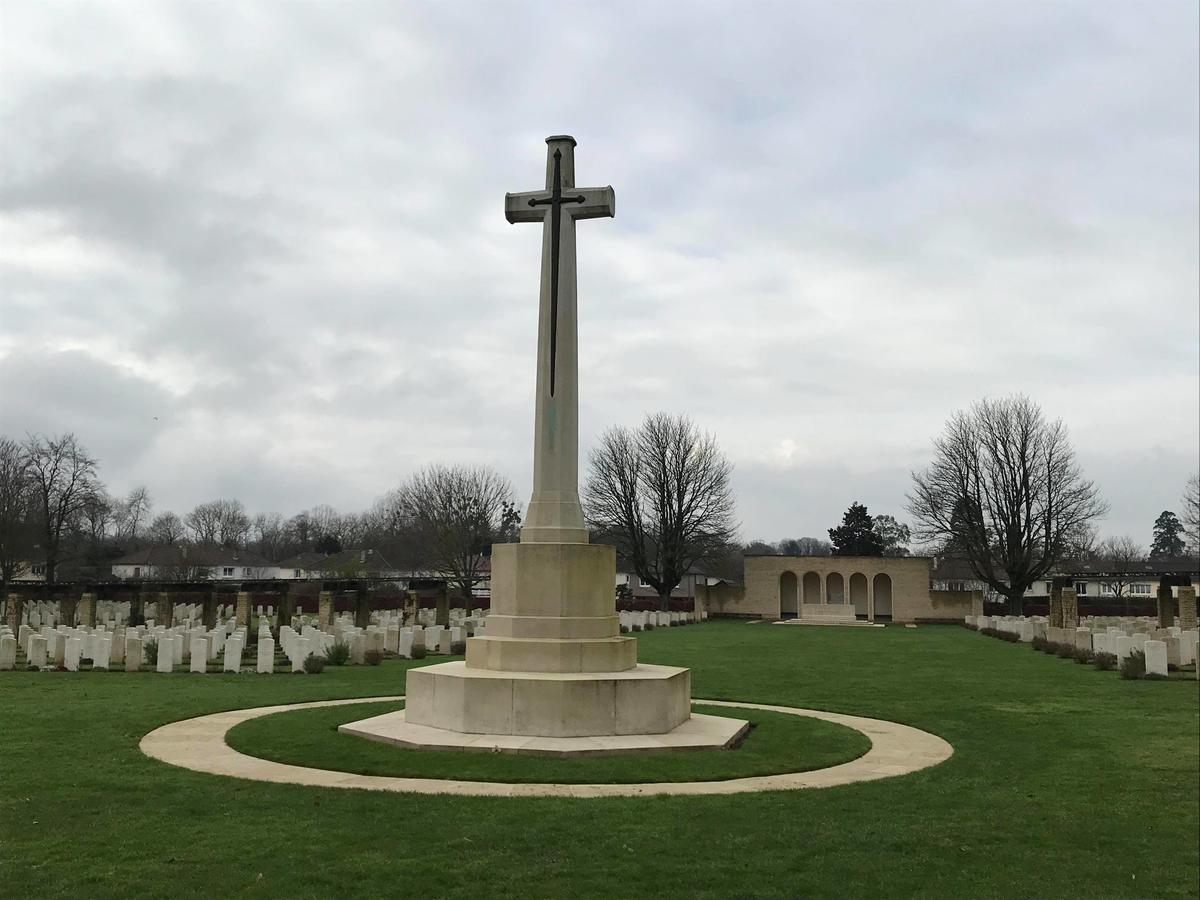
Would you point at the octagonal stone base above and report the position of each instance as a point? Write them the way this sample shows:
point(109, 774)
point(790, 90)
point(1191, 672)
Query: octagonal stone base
point(697, 733)
point(642, 700)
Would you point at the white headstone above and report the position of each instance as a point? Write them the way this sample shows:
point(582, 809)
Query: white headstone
point(265, 663)
point(233, 655)
point(304, 646)
point(102, 653)
point(71, 654)
point(133, 652)
point(37, 650)
point(166, 652)
point(1124, 646)
point(8, 652)
point(1156, 657)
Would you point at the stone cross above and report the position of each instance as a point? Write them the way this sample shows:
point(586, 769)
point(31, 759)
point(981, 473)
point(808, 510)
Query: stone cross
point(555, 514)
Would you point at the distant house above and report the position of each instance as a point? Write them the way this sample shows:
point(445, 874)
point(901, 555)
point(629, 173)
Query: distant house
point(1089, 576)
point(639, 590)
point(357, 564)
point(31, 571)
point(346, 564)
point(301, 566)
point(183, 563)
point(1093, 578)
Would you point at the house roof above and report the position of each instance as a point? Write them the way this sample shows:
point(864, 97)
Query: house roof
point(181, 555)
point(345, 562)
point(307, 559)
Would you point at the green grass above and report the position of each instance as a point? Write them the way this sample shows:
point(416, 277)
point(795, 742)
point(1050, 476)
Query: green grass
point(1065, 782)
point(777, 743)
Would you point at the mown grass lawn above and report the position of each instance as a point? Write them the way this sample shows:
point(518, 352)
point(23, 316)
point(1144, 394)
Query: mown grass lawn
point(777, 743)
point(1065, 782)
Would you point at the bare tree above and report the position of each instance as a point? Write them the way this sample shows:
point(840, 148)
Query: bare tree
point(167, 528)
point(300, 531)
point(1005, 492)
point(132, 513)
point(661, 495)
point(455, 513)
point(16, 521)
point(269, 536)
point(64, 478)
point(1191, 514)
point(1119, 559)
point(219, 523)
point(96, 516)
point(806, 546)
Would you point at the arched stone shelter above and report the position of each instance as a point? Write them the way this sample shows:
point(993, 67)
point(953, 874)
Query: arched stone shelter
point(812, 588)
point(860, 596)
point(835, 589)
point(840, 588)
point(882, 596)
point(789, 595)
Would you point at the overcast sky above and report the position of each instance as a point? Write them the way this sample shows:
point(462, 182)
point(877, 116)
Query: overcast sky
point(258, 250)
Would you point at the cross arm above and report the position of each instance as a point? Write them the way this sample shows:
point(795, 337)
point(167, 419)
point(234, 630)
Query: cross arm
point(517, 208)
point(598, 202)
point(531, 206)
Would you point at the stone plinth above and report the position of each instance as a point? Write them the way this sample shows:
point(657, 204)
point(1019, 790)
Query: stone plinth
point(553, 663)
point(553, 611)
point(697, 733)
point(642, 700)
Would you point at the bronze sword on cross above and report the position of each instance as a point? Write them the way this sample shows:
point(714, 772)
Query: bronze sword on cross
point(560, 196)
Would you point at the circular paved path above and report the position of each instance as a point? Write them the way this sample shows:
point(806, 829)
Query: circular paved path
point(199, 744)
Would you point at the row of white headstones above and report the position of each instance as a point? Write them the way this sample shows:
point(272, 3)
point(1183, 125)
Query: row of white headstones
point(110, 645)
point(1118, 635)
point(643, 620)
point(115, 613)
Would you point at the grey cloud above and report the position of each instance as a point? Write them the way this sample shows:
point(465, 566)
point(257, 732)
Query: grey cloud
point(836, 224)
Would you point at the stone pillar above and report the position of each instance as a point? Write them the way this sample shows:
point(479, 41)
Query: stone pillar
point(1056, 608)
point(977, 603)
point(87, 609)
point(1187, 608)
point(1070, 608)
point(164, 612)
point(325, 610)
point(283, 610)
point(68, 604)
point(14, 608)
point(1166, 604)
point(210, 608)
point(443, 607)
point(362, 607)
point(242, 609)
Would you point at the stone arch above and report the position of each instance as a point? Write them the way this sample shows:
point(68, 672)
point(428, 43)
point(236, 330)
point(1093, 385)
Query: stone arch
point(859, 595)
point(883, 596)
point(789, 596)
point(835, 588)
point(812, 587)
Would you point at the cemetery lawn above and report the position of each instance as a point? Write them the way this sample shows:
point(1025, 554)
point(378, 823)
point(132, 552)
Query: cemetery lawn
point(1065, 782)
point(777, 743)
